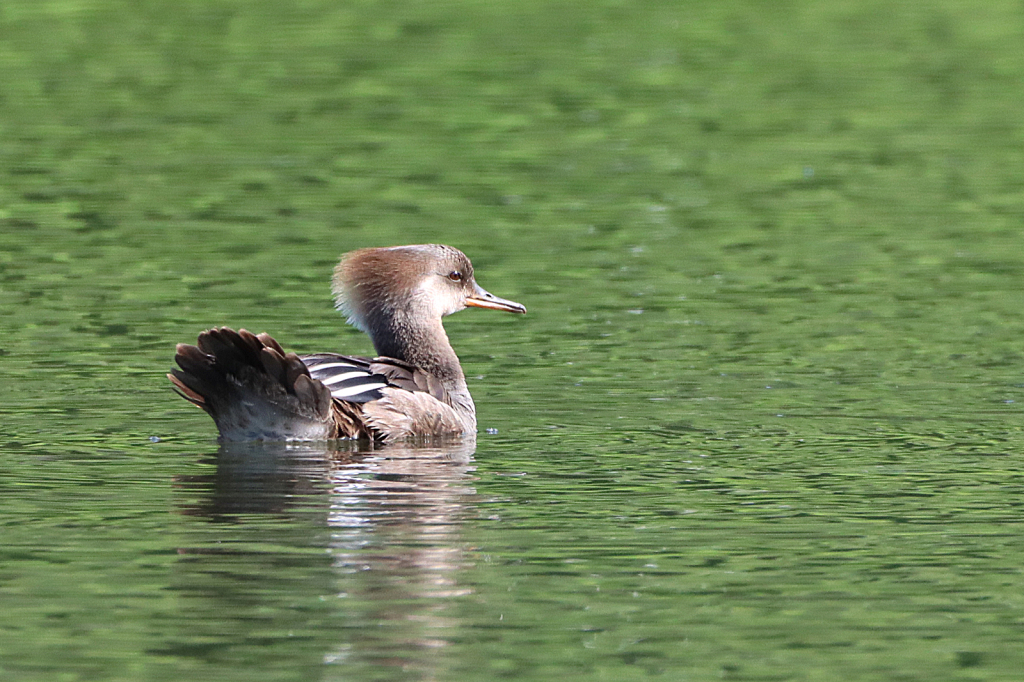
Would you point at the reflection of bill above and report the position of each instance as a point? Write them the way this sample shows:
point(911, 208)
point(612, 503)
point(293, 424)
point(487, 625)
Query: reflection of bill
point(389, 518)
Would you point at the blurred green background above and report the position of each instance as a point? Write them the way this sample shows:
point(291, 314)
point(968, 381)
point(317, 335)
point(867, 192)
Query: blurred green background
point(168, 166)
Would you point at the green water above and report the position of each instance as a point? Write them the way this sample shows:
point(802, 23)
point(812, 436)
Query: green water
point(762, 422)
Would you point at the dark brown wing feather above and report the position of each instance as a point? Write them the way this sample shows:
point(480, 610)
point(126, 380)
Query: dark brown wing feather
point(256, 391)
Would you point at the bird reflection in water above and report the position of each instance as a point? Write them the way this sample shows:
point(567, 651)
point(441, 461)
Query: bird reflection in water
point(389, 519)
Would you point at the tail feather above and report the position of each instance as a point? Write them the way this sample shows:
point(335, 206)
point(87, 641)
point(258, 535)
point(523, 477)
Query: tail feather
point(184, 391)
point(252, 388)
point(269, 341)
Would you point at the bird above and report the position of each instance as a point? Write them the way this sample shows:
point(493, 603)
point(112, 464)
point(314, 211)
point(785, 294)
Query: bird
point(413, 388)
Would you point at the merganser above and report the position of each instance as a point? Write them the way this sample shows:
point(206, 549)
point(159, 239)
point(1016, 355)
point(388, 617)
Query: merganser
point(414, 388)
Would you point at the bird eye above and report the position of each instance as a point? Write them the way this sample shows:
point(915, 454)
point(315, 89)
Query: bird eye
point(455, 276)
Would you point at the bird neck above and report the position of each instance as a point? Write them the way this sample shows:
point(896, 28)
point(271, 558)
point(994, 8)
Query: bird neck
point(418, 342)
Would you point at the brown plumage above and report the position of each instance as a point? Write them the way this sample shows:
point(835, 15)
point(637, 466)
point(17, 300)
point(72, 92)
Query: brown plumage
point(414, 388)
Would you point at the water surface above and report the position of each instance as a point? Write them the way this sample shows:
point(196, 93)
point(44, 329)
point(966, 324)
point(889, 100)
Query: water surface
point(762, 421)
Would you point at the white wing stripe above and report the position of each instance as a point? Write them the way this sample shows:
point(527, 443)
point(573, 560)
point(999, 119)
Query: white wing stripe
point(350, 391)
point(332, 365)
point(341, 377)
